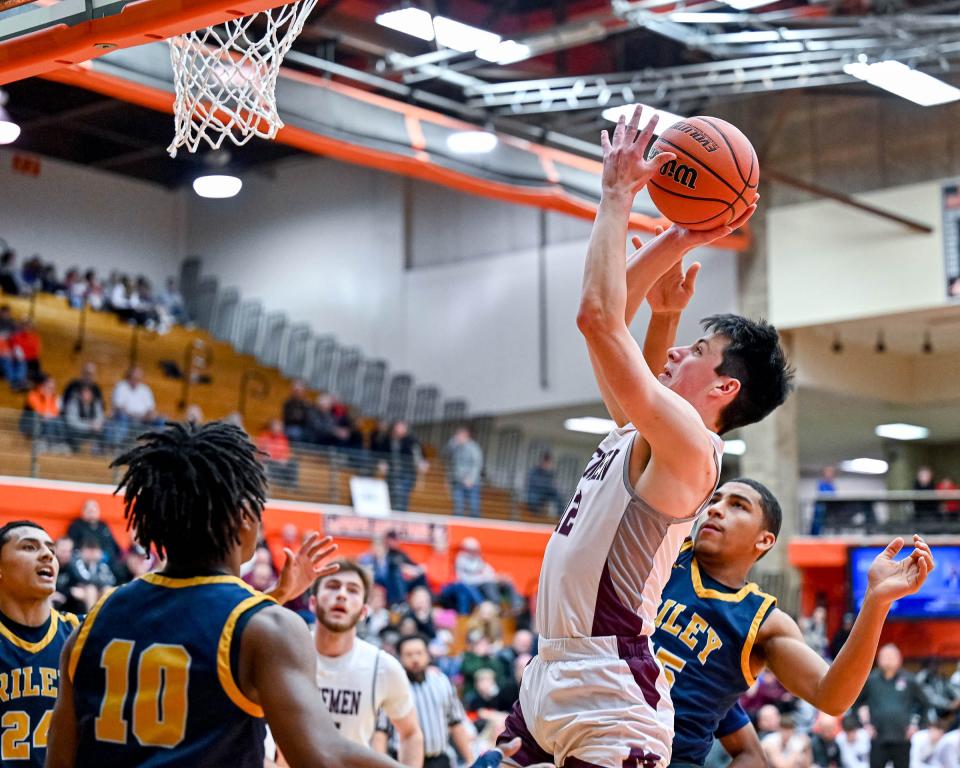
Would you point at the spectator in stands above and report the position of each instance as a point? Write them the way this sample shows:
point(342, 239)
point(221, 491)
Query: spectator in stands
point(925, 510)
point(282, 468)
point(464, 465)
point(826, 751)
point(32, 272)
point(949, 509)
point(410, 571)
point(41, 417)
point(487, 618)
point(766, 690)
point(405, 462)
point(522, 644)
point(480, 654)
point(134, 564)
point(10, 282)
point(323, 424)
point(94, 292)
point(473, 571)
point(194, 415)
point(767, 720)
point(385, 570)
point(48, 280)
point(296, 413)
point(891, 704)
point(27, 340)
point(90, 572)
point(439, 711)
point(74, 288)
point(89, 526)
point(378, 616)
point(841, 635)
point(63, 599)
point(787, 748)
point(7, 322)
point(940, 692)
point(814, 629)
point(87, 378)
point(171, 301)
point(542, 494)
point(488, 700)
point(438, 567)
point(134, 407)
point(12, 365)
point(948, 751)
point(854, 743)
point(825, 486)
point(924, 743)
point(84, 420)
point(420, 610)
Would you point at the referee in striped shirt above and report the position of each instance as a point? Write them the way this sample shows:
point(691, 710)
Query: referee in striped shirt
point(439, 710)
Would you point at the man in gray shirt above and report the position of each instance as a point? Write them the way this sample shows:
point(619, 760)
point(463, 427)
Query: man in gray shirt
point(465, 462)
point(891, 703)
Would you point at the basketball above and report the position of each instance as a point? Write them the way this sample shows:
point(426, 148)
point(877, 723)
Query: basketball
point(714, 177)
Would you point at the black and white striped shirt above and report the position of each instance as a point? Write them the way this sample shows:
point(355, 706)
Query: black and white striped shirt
point(438, 708)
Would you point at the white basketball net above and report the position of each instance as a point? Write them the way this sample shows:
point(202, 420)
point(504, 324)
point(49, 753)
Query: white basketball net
point(226, 76)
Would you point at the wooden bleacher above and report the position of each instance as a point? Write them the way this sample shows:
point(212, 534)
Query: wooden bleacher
point(108, 342)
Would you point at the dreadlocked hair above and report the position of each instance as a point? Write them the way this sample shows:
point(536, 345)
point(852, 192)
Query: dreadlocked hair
point(187, 487)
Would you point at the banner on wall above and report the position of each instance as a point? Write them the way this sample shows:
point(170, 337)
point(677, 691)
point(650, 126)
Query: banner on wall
point(362, 527)
point(951, 239)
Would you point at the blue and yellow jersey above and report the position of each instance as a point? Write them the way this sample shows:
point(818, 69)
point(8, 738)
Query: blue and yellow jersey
point(154, 672)
point(703, 639)
point(29, 680)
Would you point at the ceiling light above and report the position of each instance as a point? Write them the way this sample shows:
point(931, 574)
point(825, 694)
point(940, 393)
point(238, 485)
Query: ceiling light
point(706, 17)
point(613, 114)
point(865, 466)
point(591, 425)
point(734, 447)
point(462, 37)
point(410, 21)
point(505, 52)
point(472, 142)
point(746, 5)
point(901, 431)
point(217, 186)
point(896, 77)
point(9, 130)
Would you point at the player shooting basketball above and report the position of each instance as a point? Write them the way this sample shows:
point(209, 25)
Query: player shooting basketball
point(715, 630)
point(595, 696)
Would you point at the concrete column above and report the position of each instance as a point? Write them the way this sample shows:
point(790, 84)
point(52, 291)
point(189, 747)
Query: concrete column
point(772, 452)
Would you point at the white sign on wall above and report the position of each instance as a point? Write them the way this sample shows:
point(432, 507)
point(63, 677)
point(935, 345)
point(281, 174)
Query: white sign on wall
point(371, 497)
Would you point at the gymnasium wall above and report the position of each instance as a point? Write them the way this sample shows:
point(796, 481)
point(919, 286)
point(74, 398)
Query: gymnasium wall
point(330, 244)
point(829, 262)
point(79, 216)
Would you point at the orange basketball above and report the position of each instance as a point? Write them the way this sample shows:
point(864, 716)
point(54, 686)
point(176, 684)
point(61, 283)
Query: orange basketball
point(714, 177)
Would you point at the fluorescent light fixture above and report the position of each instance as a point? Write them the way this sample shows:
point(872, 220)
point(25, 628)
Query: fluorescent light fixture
point(9, 130)
point(411, 21)
point(505, 52)
point(901, 431)
point(626, 110)
point(591, 425)
point(734, 447)
point(897, 78)
point(217, 186)
point(686, 17)
point(462, 37)
point(746, 5)
point(865, 466)
point(472, 142)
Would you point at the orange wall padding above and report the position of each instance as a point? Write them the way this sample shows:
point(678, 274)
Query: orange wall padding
point(511, 548)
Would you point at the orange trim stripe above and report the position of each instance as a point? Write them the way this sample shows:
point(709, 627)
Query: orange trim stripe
point(224, 671)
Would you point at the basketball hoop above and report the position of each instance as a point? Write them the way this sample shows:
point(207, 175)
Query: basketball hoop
point(226, 76)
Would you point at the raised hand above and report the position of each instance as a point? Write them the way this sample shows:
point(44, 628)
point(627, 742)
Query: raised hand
point(889, 580)
point(673, 291)
point(300, 570)
point(625, 168)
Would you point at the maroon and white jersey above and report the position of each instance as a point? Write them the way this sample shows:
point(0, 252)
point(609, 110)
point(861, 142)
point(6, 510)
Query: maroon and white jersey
point(611, 553)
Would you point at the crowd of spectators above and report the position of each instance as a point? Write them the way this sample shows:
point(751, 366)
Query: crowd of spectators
point(901, 719)
point(130, 298)
point(65, 423)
